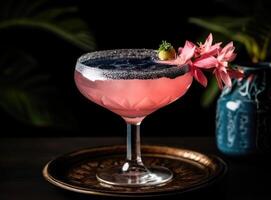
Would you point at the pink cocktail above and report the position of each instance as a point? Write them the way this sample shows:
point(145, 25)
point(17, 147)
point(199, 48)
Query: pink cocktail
point(132, 84)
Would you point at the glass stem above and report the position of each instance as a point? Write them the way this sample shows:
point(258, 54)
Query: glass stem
point(133, 144)
point(133, 165)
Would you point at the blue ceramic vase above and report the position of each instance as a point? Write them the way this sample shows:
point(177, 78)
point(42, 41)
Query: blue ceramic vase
point(243, 117)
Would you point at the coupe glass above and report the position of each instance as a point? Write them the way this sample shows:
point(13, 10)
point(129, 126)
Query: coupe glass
point(132, 84)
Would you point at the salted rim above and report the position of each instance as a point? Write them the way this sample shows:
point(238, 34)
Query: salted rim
point(94, 73)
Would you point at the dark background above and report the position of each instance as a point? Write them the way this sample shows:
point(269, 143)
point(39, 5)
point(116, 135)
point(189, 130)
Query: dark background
point(117, 24)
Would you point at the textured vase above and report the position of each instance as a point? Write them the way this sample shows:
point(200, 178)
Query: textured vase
point(243, 118)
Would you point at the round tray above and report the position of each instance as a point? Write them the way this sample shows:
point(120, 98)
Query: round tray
point(76, 171)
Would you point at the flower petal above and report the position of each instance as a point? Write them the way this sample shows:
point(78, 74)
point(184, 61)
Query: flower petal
point(189, 44)
point(209, 40)
point(215, 48)
point(230, 57)
point(227, 53)
point(206, 62)
point(228, 47)
point(180, 50)
point(187, 52)
point(235, 73)
point(208, 48)
point(225, 78)
point(200, 77)
point(211, 52)
point(218, 79)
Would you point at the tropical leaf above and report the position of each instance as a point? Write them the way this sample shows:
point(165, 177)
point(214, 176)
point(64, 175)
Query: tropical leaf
point(232, 30)
point(61, 21)
point(26, 92)
point(253, 32)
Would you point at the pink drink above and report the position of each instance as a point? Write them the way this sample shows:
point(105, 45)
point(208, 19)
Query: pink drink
point(131, 93)
point(133, 98)
point(131, 83)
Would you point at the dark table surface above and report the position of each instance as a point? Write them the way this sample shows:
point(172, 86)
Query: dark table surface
point(22, 160)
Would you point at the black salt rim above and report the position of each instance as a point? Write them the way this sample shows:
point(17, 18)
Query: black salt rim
point(170, 72)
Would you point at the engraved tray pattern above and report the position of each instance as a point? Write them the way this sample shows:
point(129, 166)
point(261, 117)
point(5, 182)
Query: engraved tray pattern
point(76, 171)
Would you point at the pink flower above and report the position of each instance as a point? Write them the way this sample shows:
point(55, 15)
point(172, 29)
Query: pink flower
point(207, 57)
point(207, 48)
point(198, 75)
point(203, 62)
point(227, 53)
point(221, 72)
point(185, 55)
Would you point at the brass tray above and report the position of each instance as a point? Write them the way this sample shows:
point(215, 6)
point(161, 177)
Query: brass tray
point(76, 171)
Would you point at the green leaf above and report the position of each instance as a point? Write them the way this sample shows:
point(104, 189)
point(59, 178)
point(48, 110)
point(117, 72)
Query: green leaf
point(165, 46)
point(253, 32)
point(61, 21)
point(54, 13)
point(28, 96)
point(27, 92)
point(231, 31)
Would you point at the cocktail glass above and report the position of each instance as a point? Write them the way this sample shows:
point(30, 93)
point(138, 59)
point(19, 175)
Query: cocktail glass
point(132, 84)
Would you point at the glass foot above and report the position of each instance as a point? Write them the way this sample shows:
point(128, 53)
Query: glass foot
point(152, 176)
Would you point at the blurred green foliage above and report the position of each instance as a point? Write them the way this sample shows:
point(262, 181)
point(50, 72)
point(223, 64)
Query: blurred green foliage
point(251, 30)
point(24, 90)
